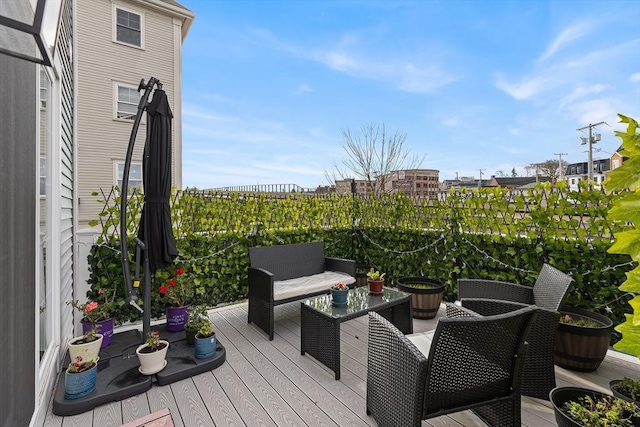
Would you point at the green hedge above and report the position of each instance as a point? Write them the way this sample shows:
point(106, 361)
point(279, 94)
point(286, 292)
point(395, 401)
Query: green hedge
point(490, 233)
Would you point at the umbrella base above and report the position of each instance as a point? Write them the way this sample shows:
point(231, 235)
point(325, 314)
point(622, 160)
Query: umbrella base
point(118, 376)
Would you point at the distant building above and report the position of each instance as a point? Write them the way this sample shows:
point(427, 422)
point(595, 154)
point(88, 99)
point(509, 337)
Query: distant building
point(517, 182)
point(577, 172)
point(419, 182)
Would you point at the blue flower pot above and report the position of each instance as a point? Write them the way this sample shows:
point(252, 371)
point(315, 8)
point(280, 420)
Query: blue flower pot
point(77, 385)
point(205, 347)
point(339, 297)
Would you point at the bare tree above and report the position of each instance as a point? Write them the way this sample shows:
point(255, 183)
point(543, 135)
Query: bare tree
point(514, 173)
point(500, 174)
point(548, 167)
point(372, 155)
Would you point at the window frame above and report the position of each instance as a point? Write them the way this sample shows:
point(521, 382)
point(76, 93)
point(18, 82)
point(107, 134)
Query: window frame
point(117, 6)
point(116, 86)
point(117, 178)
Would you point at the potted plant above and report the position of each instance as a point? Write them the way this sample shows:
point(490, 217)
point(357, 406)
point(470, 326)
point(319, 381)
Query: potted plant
point(580, 407)
point(98, 314)
point(86, 347)
point(205, 340)
point(177, 292)
point(80, 378)
point(426, 295)
point(339, 294)
point(375, 279)
point(627, 389)
point(582, 339)
point(152, 354)
point(197, 316)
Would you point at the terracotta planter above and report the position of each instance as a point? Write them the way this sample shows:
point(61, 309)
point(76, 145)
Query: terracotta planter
point(88, 351)
point(426, 295)
point(375, 286)
point(154, 362)
point(582, 348)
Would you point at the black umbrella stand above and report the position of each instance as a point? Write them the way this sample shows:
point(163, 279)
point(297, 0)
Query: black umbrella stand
point(118, 368)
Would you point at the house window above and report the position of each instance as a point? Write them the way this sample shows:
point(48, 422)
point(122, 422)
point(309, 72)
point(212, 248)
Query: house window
point(126, 101)
point(129, 27)
point(616, 163)
point(135, 175)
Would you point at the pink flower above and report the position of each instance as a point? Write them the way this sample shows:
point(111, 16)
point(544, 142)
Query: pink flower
point(91, 306)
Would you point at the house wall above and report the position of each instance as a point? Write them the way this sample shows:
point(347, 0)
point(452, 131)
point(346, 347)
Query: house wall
point(101, 62)
point(18, 220)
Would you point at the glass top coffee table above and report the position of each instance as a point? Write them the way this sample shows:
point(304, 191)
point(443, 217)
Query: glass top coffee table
point(320, 320)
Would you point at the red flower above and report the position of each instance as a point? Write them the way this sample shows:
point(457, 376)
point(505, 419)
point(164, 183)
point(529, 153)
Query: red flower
point(179, 271)
point(163, 289)
point(172, 282)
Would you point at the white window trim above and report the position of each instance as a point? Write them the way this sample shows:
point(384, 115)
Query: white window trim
point(115, 101)
point(114, 26)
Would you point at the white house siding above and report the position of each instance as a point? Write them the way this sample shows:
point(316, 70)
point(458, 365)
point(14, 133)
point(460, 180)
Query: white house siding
point(101, 62)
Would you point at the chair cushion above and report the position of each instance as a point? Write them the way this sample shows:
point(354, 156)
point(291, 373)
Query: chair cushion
point(300, 286)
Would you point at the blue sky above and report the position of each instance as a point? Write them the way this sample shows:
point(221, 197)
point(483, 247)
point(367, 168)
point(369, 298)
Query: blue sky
point(269, 86)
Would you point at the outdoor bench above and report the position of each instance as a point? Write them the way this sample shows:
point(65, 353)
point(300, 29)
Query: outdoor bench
point(286, 273)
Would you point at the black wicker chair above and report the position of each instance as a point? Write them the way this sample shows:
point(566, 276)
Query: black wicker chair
point(470, 363)
point(491, 297)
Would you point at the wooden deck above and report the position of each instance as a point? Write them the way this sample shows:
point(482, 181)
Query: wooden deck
point(265, 383)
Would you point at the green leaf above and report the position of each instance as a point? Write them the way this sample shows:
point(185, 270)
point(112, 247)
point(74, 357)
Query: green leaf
point(626, 176)
point(632, 284)
point(627, 242)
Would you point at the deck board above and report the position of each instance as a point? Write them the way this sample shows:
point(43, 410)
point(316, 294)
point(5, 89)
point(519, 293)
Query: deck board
point(269, 383)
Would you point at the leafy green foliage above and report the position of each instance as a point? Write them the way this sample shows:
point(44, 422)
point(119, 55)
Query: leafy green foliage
point(626, 179)
point(607, 411)
point(489, 233)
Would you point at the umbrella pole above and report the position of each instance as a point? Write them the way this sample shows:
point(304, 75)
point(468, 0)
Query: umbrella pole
point(131, 296)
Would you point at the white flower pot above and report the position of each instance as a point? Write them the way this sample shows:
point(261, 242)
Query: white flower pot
point(152, 363)
point(88, 351)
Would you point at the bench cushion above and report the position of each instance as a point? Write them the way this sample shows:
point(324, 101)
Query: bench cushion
point(300, 286)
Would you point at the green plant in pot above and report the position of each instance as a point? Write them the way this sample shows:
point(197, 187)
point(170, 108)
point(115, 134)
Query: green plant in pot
point(579, 407)
point(624, 209)
point(205, 341)
point(152, 354)
point(197, 318)
point(375, 279)
point(80, 378)
point(627, 389)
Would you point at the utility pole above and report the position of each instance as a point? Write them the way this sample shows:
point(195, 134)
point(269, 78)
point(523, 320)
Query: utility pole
point(560, 164)
point(480, 181)
point(593, 138)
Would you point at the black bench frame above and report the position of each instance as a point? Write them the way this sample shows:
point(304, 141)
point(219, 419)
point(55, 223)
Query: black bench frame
point(283, 262)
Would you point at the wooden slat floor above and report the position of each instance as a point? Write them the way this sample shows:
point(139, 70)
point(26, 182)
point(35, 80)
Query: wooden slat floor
point(268, 383)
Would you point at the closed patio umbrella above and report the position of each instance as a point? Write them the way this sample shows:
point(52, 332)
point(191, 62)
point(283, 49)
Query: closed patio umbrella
point(155, 226)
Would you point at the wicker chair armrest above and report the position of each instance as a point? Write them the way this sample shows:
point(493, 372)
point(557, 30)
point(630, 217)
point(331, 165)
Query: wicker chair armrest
point(494, 289)
point(340, 264)
point(454, 310)
point(260, 284)
point(396, 375)
point(491, 307)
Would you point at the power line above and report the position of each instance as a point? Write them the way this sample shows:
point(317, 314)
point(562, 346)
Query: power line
point(592, 140)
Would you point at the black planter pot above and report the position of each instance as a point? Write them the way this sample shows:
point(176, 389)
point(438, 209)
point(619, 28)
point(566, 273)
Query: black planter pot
point(582, 348)
point(616, 393)
point(560, 395)
point(426, 295)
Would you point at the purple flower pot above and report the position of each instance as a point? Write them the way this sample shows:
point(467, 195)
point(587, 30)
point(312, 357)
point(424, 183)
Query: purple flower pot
point(176, 318)
point(104, 327)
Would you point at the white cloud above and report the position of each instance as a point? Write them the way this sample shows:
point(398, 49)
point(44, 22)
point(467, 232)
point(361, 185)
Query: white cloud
point(525, 89)
point(451, 121)
point(635, 77)
point(581, 92)
point(514, 131)
point(568, 35)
